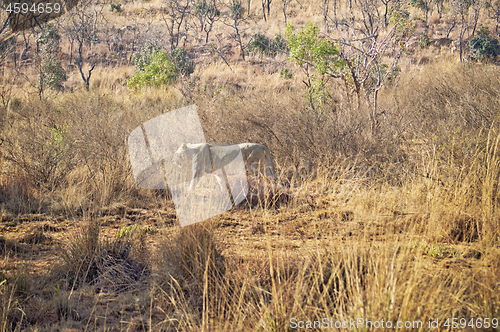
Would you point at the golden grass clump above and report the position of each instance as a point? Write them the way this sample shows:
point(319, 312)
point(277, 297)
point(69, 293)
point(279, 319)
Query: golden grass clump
point(113, 265)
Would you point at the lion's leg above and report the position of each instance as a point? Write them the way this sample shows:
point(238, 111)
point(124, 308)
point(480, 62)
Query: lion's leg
point(201, 165)
point(222, 184)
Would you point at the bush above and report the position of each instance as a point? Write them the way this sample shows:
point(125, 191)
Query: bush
point(286, 73)
point(182, 62)
point(154, 68)
point(262, 45)
point(202, 8)
point(45, 151)
point(51, 72)
point(279, 43)
point(424, 40)
point(484, 47)
point(193, 257)
point(115, 264)
point(236, 10)
point(420, 4)
point(117, 7)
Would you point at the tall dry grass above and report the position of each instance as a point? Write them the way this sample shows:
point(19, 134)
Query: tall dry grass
point(418, 241)
point(393, 279)
point(424, 250)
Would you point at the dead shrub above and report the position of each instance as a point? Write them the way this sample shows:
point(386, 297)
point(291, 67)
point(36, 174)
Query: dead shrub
point(16, 192)
point(465, 229)
point(192, 264)
point(109, 264)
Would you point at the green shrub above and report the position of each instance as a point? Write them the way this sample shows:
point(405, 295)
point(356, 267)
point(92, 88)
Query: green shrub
point(182, 62)
point(484, 47)
point(424, 40)
point(259, 44)
point(144, 58)
point(262, 45)
point(202, 8)
point(279, 43)
point(318, 57)
point(56, 144)
point(129, 230)
point(51, 72)
point(154, 68)
point(113, 7)
point(48, 37)
point(286, 73)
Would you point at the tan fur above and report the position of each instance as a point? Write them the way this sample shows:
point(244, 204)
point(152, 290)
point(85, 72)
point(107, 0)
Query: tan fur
point(256, 157)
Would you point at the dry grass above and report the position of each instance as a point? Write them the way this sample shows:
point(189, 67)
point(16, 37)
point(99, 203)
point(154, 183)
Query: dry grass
point(415, 239)
point(399, 224)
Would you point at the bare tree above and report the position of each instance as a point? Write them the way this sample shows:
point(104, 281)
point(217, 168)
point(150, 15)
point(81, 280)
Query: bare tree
point(325, 8)
point(130, 34)
point(83, 29)
point(177, 15)
point(494, 13)
point(51, 72)
point(461, 9)
point(285, 6)
point(371, 17)
point(208, 13)
point(387, 7)
point(371, 61)
point(27, 36)
point(452, 26)
point(69, 31)
point(235, 20)
point(7, 39)
point(439, 7)
point(266, 4)
point(476, 6)
point(6, 48)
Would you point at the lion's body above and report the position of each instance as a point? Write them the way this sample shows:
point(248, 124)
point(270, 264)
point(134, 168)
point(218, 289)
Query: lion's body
point(203, 156)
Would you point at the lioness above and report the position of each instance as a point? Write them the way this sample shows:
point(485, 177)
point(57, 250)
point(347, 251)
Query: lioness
point(204, 157)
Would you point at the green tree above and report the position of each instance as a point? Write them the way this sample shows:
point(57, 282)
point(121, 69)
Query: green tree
point(484, 47)
point(154, 68)
point(51, 72)
point(318, 57)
